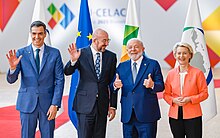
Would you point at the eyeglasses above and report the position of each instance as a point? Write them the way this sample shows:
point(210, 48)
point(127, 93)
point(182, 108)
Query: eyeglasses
point(105, 40)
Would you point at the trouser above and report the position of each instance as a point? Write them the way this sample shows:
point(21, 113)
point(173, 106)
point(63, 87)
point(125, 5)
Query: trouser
point(29, 124)
point(191, 128)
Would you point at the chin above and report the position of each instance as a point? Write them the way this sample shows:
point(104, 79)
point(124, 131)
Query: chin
point(102, 50)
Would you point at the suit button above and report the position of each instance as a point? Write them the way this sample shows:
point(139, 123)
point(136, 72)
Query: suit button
point(133, 92)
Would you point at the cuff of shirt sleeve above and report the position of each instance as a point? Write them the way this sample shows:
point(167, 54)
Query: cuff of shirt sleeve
point(12, 71)
point(73, 62)
point(113, 108)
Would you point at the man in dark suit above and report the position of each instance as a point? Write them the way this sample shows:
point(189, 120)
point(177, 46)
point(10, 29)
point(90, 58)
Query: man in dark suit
point(42, 83)
point(139, 79)
point(96, 66)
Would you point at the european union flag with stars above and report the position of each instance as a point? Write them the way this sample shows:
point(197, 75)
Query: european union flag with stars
point(84, 39)
point(84, 34)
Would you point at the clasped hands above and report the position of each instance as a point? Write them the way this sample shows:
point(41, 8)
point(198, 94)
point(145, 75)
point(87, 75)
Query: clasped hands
point(148, 83)
point(180, 101)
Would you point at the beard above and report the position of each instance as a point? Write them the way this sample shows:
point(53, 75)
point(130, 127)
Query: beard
point(102, 49)
point(135, 57)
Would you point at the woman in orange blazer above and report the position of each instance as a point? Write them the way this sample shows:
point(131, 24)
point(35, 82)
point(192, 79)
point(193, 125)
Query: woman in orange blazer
point(185, 88)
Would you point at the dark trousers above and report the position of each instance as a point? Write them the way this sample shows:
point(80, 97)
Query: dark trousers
point(191, 128)
point(92, 125)
point(136, 129)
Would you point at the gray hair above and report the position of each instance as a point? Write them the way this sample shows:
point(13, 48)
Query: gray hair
point(135, 39)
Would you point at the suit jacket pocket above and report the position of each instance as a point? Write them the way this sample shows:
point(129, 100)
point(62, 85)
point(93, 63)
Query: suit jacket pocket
point(22, 90)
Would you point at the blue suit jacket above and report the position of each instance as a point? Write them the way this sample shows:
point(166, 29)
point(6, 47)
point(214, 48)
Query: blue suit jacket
point(45, 87)
point(144, 100)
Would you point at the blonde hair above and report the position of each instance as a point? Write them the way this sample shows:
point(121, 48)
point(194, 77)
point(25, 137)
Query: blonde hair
point(183, 44)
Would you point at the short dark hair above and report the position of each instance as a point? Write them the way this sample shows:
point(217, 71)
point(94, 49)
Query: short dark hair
point(38, 24)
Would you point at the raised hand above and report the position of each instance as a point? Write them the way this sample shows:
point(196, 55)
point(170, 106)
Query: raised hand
point(12, 59)
point(118, 83)
point(148, 83)
point(74, 53)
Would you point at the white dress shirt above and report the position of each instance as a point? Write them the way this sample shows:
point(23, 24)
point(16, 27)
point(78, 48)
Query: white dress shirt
point(138, 63)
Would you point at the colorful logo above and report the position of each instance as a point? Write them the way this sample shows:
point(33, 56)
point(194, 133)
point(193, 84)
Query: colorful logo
point(7, 8)
point(63, 16)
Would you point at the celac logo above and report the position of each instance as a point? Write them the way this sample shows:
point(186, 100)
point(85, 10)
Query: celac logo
point(63, 16)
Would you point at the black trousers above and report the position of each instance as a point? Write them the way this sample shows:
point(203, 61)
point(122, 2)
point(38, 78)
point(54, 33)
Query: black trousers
point(191, 128)
point(92, 125)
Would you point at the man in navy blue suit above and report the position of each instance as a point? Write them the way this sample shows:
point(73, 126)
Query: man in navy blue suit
point(93, 101)
point(42, 83)
point(140, 79)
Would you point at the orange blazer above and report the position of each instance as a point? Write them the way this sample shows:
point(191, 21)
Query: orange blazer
point(194, 87)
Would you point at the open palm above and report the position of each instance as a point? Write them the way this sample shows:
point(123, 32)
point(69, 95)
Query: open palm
point(74, 53)
point(12, 59)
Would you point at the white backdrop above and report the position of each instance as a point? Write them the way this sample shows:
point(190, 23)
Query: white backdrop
point(160, 29)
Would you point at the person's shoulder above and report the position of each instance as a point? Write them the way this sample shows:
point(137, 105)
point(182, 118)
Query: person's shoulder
point(52, 49)
point(173, 70)
point(195, 69)
point(110, 52)
point(150, 60)
point(124, 63)
point(24, 48)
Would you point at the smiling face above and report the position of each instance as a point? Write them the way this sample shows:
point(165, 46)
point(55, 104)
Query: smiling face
point(182, 55)
point(100, 40)
point(135, 49)
point(38, 34)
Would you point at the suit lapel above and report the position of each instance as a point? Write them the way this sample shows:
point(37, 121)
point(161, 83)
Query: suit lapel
point(104, 60)
point(90, 60)
point(31, 57)
point(143, 67)
point(130, 77)
point(44, 59)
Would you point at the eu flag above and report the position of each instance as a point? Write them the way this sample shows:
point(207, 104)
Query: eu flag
point(84, 39)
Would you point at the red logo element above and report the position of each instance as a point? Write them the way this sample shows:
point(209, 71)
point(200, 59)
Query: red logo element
point(165, 4)
point(7, 8)
point(170, 60)
point(52, 23)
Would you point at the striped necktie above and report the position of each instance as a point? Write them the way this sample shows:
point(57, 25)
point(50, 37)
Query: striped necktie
point(97, 65)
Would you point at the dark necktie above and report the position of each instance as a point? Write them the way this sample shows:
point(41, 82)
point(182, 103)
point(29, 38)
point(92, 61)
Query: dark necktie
point(97, 65)
point(37, 60)
point(134, 71)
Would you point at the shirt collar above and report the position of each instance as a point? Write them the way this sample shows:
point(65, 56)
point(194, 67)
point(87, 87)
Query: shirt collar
point(94, 51)
point(41, 48)
point(138, 61)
